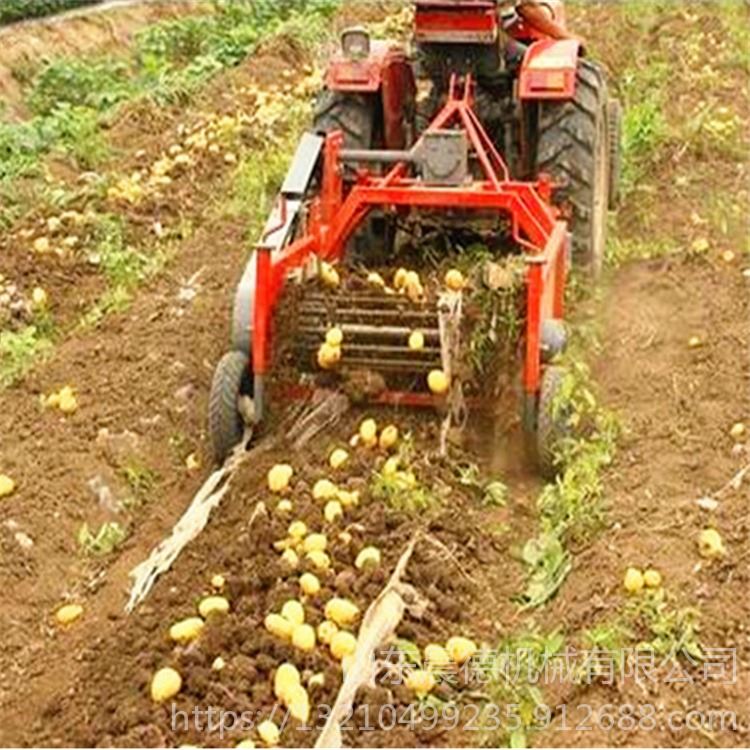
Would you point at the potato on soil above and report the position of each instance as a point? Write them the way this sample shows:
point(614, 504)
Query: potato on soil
point(303, 638)
point(368, 430)
point(338, 458)
point(343, 644)
point(436, 657)
point(369, 557)
point(315, 543)
point(279, 477)
point(68, 614)
point(341, 611)
point(454, 280)
point(165, 684)
point(218, 664)
point(279, 626)
point(461, 649)
point(326, 631)
point(310, 584)
point(269, 733)
point(389, 437)
point(320, 560)
point(633, 581)
point(7, 486)
point(186, 630)
point(335, 337)
point(299, 705)
point(710, 544)
point(290, 558)
point(298, 530)
point(438, 383)
point(416, 341)
point(213, 605)
point(333, 511)
point(421, 681)
point(652, 578)
point(287, 677)
point(285, 506)
point(324, 489)
point(293, 612)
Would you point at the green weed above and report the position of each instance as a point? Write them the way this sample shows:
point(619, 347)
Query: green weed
point(666, 630)
point(19, 351)
point(104, 542)
point(515, 672)
point(140, 479)
point(571, 508)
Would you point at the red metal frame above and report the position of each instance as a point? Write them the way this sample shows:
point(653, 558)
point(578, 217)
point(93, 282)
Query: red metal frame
point(340, 209)
point(467, 21)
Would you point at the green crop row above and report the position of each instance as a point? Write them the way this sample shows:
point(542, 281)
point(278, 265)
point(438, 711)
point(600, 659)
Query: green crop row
point(20, 10)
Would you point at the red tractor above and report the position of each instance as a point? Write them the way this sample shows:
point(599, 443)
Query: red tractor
point(486, 124)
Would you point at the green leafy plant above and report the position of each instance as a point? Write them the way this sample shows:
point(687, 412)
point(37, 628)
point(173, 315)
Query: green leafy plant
point(18, 352)
point(104, 542)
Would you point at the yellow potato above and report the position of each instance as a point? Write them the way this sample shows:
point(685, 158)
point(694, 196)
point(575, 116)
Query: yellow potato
point(213, 605)
point(310, 584)
point(333, 511)
point(389, 437)
point(368, 430)
point(710, 544)
point(279, 477)
point(400, 279)
point(324, 489)
point(454, 280)
point(315, 543)
point(285, 506)
point(299, 705)
point(461, 649)
point(303, 638)
point(287, 677)
point(341, 611)
point(368, 557)
point(297, 530)
point(338, 458)
point(68, 614)
point(269, 733)
point(421, 682)
point(293, 611)
point(7, 486)
point(326, 631)
point(290, 558)
point(652, 578)
point(438, 382)
point(319, 559)
point(343, 644)
point(279, 626)
point(218, 582)
point(165, 684)
point(633, 580)
point(335, 337)
point(416, 341)
point(436, 657)
point(186, 631)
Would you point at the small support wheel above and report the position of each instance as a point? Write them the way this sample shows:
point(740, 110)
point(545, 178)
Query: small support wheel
point(552, 421)
point(226, 423)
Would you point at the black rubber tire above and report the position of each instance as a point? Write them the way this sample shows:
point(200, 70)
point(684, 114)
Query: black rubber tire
point(226, 426)
point(355, 115)
point(573, 148)
point(552, 426)
point(352, 114)
point(614, 123)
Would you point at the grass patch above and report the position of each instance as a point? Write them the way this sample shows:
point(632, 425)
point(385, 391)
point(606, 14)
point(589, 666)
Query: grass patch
point(20, 350)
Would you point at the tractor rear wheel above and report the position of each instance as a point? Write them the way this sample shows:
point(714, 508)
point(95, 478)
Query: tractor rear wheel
point(226, 425)
point(352, 114)
point(573, 148)
point(552, 421)
point(355, 115)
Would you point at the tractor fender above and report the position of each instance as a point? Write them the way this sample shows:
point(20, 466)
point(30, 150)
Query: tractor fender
point(548, 70)
point(244, 308)
point(387, 74)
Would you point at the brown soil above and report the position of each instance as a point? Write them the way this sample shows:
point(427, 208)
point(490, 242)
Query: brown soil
point(144, 377)
point(23, 47)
